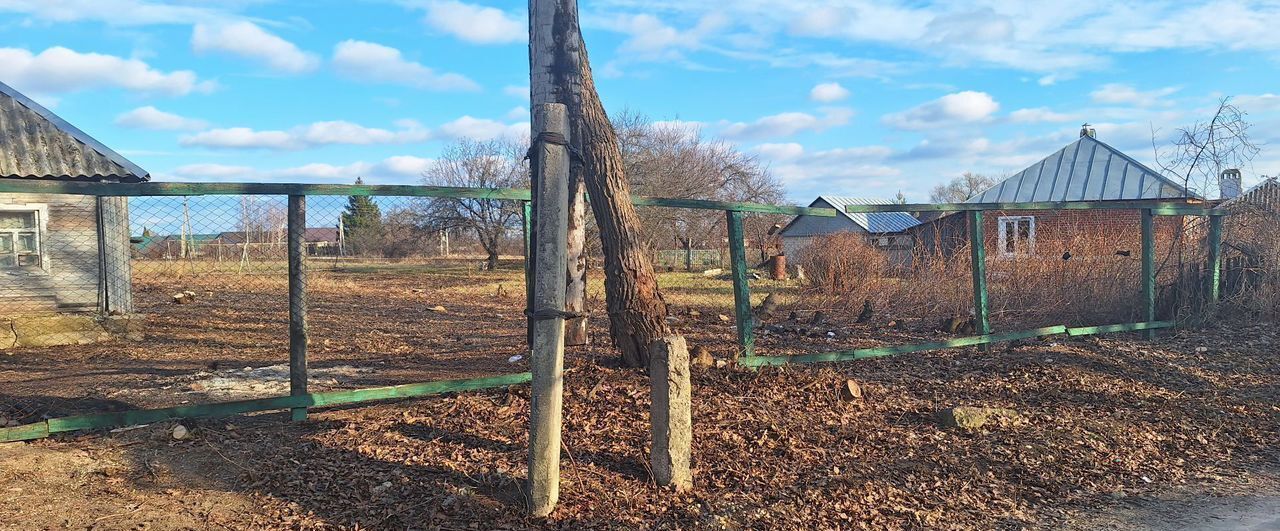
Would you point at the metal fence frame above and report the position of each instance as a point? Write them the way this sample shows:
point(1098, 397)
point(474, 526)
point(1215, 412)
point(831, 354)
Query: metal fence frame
point(299, 399)
point(974, 212)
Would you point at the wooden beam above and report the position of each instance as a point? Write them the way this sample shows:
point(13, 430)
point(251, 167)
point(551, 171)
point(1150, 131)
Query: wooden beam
point(850, 355)
point(741, 288)
point(221, 409)
point(1159, 207)
point(297, 221)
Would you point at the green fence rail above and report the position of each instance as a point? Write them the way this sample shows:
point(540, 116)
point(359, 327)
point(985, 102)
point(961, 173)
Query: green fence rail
point(300, 399)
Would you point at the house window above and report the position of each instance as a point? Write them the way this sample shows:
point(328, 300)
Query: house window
point(20, 242)
point(1017, 235)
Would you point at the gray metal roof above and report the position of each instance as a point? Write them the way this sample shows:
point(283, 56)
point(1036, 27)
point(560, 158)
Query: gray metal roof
point(872, 222)
point(1265, 194)
point(35, 143)
point(1086, 170)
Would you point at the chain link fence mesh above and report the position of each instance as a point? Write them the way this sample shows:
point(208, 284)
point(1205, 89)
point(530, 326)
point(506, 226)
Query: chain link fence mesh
point(159, 301)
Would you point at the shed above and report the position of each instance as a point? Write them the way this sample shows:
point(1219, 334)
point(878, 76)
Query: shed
point(60, 255)
point(885, 230)
point(1087, 169)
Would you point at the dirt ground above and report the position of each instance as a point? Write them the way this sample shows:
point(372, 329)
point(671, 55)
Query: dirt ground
point(1114, 433)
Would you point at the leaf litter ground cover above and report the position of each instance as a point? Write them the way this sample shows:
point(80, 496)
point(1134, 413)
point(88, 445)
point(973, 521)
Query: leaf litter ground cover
point(1102, 422)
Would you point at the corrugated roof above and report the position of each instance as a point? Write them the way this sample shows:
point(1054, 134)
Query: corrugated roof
point(35, 143)
point(1265, 194)
point(873, 222)
point(1085, 170)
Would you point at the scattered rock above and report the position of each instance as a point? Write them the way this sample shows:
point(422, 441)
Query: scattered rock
point(180, 432)
point(712, 272)
point(694, 313)
point(702, 358)
point(850, 391)
point(1202, 350)
point(438, 309)
point(818, 318)
point(969, 417)
point(723, 318)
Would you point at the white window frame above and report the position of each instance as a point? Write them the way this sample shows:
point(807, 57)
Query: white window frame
point(41, 232)
point(1003, 224)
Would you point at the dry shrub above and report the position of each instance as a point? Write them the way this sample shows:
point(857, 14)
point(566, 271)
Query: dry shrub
point(1251, 269)
point(844, 271)
point(842, 263)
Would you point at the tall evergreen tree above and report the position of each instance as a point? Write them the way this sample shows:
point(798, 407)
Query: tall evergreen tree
point(362, 224)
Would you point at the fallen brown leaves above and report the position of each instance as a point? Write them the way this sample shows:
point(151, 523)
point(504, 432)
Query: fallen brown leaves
point(779, 448)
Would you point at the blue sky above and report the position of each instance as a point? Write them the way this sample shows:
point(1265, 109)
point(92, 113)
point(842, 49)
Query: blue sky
point(853, 97)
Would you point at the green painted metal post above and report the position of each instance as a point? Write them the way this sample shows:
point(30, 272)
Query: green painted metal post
point(1148, 269)
point(1215, 259)
point(978, 259)
point(741, 290)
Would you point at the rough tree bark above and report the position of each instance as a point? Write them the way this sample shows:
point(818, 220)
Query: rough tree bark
point(561, 71)
point(544, 89)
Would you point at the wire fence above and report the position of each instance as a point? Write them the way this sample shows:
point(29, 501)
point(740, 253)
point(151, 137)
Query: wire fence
point(162, 300)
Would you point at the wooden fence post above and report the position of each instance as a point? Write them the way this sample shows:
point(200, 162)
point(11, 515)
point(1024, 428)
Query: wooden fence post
point(1148, 269)
point(1215, 259)
point(978, 257)
point(551, 205)
point(113, 245)
point(297, 301)
point(741, 289)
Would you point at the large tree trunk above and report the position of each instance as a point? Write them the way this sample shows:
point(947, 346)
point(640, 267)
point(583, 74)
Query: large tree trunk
point(637, 312)
point(542, 58)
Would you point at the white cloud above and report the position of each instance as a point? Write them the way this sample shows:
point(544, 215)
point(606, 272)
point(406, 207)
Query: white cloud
point(473, 23)
point(247, 39)
point(958, 108)
point(241, 138)
point(59, 69)
point(372, 62)
point(516, 91)
point(402, 169)
point(519, 112)
point(786, 124)
point(1257, 103)
point(1037, 115)
point(650, 39)
point(828, 93)
point(483, 129)
point(149, 117)
point(316, 134)
point(114, 12)
point(860, 170)
point(1123, 94)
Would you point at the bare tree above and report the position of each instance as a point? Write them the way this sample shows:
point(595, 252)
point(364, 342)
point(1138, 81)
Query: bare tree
point(493, 164)
point(669, 160)
point(1201, 151)
point(961, 189)
point(560, 71)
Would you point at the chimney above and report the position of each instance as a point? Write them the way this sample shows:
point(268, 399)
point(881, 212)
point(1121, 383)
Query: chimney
point(1090, 132)
point(1229, 184)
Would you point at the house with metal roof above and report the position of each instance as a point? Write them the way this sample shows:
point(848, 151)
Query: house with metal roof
point(885, 230)
point(1087, 169)
point(60, 255)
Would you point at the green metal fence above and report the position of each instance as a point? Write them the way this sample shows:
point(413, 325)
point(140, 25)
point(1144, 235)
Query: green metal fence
point(293, 262)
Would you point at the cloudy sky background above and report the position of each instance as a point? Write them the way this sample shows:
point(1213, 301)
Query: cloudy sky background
point(842, 97)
